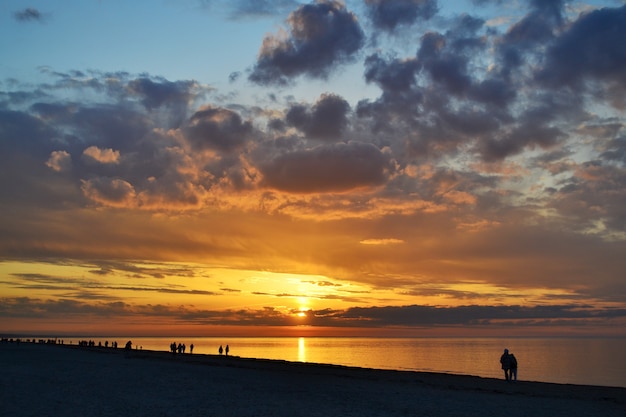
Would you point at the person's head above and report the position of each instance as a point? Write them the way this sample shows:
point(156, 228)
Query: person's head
point(506, 351)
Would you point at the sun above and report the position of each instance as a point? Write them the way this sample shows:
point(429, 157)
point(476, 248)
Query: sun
point(303, 302)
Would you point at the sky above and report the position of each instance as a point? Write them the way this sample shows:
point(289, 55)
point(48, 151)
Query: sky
point(287, 168)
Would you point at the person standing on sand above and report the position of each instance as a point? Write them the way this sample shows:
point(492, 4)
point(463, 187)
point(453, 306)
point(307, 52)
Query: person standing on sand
point(227, 349)
point(513, 369)
point(221, 350)
point(505, 360)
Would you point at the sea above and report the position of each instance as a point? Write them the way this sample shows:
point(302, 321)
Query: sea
point(583, 361)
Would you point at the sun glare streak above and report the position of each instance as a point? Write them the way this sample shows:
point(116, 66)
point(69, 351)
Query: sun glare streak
point(302, 349)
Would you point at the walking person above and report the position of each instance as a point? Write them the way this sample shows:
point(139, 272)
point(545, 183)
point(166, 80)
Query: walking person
point(505, 360)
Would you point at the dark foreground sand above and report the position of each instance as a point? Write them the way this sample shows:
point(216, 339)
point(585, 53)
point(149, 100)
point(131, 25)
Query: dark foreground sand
point(55, 380)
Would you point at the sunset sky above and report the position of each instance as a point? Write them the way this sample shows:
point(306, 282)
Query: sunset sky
point(259, 167)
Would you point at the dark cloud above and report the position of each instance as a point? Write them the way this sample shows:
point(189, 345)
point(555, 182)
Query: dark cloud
point(525, 39)
point(109, 149)
point(446, 69)
point(29, 14)
point(332, 168)
point(218, 129)
point(158, 93)
point(325, 120)
point(393, 75)
point(469, 315)
point(521, 138)
point(105, 125)
point(26, 144)
point(592, 49)
point(594, 195)
point(440, 102)
point(322, 35)
point(436, 99)
point(90, 288)
point(405, 316)
point(113, 192)
point(388, 15)
point(615, 150)
point(446, 57)
point(34, 308)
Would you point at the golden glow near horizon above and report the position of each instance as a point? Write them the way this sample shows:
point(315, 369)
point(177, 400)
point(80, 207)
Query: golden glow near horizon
point(212, 295)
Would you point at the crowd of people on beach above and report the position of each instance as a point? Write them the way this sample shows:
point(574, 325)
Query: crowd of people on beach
point(180, 348)
point(91, 343)
point(40, 341)
point(50, 341)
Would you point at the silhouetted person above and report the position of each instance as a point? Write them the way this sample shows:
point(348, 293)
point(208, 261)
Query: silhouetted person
point(227, 349)
point(505, 360)
point(191, 349)
point(129, 345)
point(513, 369)
point(221, 350)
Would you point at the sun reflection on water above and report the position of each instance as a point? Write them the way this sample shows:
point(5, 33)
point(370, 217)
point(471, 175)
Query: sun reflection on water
point(302, 349)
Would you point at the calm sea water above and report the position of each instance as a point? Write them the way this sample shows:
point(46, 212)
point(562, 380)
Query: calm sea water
point(588, 361)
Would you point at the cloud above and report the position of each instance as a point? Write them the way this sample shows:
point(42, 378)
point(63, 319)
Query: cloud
point(392, 76)
point(595, 195)
point(522, 137)
point(446, 57)
point(112, 192)
point(103, 156)
point(161, 92)
point(321, 36)
point(468, 315)
point(387, 241)
point(59, 161)
point(218, 129)
point(372, 317)
point(29, 14)
point(329, 168)
point(325, 120)
point(388, 15)
point(590, 50)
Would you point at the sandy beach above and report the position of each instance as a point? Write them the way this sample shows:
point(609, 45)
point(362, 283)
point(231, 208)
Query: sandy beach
point(63, 380)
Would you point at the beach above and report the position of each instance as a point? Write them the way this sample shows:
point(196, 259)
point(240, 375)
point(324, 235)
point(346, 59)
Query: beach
point(68, 380)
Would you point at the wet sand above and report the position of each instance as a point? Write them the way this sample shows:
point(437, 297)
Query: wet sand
point(63, 380)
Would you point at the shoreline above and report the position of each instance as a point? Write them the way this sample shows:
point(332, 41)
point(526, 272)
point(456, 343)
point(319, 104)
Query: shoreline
point(247, 384)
